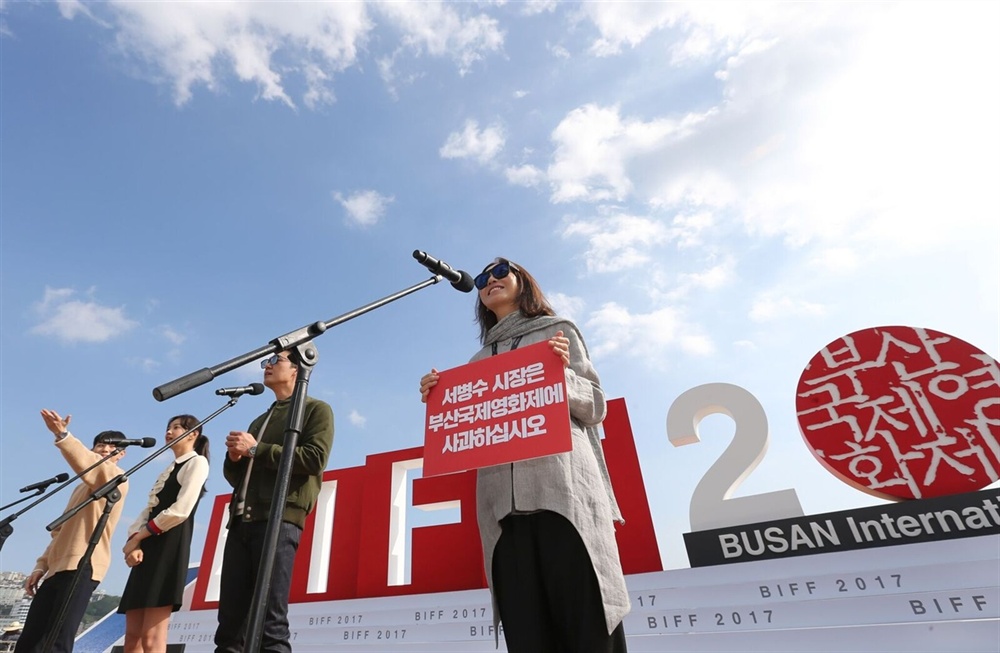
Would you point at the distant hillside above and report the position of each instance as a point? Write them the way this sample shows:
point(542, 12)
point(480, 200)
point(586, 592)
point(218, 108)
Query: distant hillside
point(97, 609)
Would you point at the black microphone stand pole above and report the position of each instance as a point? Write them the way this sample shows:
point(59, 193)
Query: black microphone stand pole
point(111, 495)
point(6, 530)
point(38, 490)
point(300, 341)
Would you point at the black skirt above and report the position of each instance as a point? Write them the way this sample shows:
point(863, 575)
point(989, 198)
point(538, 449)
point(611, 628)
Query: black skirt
point(160, 578)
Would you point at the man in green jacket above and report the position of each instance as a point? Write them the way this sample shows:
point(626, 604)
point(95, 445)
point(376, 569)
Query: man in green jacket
point(251, 467)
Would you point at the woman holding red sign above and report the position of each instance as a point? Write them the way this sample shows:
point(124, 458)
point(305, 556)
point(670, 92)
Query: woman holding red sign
point(547, 524)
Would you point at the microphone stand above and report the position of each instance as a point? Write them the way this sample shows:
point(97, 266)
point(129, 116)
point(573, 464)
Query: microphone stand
point(300, 341)
point(111, 495)
point(6, 530)
point(38, 490)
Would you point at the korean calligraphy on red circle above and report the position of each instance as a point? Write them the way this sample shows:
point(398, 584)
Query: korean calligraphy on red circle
point(903, 412)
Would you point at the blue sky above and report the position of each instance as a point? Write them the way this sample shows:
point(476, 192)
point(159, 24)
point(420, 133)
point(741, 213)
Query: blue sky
point(713, 192)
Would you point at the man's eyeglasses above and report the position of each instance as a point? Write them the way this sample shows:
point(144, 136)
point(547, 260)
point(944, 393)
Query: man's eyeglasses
point(272, 361)
point(498, 271)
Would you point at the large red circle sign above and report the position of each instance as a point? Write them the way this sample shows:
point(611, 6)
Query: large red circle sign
point(903, 413)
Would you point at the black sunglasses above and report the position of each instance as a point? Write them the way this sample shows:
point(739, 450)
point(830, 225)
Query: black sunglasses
point(498, 271)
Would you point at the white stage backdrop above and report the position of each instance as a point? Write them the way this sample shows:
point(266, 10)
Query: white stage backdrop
point(933, 596)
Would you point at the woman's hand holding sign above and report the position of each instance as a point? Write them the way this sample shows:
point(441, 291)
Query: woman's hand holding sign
point(428, 381)
point(560, 345)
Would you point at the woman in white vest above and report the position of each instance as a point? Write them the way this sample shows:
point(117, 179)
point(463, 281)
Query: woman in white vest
point(159, 541)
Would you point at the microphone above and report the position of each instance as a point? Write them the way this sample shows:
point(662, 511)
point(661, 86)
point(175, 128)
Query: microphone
point(460, 280)
point(58, 478)
point(252, 389)
point(145, 443)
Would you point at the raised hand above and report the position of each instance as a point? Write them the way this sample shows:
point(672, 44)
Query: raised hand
point(54, 422)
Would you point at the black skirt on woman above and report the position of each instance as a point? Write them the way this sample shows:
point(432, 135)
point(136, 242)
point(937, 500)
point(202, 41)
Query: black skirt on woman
point(160, 578)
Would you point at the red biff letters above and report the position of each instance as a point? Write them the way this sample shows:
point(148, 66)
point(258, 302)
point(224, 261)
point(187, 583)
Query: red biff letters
point(498, 410)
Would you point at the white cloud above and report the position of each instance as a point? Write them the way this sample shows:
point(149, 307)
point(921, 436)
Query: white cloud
point(318, 91)
point(618, 242)
point(845, 137)
point(559, 52)
point(71, 320)
point(645, 336)
point(439, 29)
point(688, 229)
point(473, 143)
point(70, 8)
point(699, 30)
point(711, 30)
point(769, 307)
point(703, 189)
point(392, 77)
point(191, 44)
point(593, 144)
point(357, 419)
point(526, 175)
point(53, 297)
point(533, 7)
point(566, 306)
point(717, 276)
point(838, 130)
point(364, 208)
point(144, 364)
point(194, 43)
point(899, 148)
point(837, 260)
point(712, 278)
point(847, 131)
point(173, 336)
point(621, 23)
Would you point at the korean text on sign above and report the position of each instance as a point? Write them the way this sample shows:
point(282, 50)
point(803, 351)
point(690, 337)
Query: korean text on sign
point(498, 410)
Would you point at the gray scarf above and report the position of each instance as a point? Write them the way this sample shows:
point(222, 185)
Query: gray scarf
point(515, 325)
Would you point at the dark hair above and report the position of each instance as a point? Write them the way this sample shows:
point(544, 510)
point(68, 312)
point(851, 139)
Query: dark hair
point(201, 440)
point(531, 301)
point(104, 436)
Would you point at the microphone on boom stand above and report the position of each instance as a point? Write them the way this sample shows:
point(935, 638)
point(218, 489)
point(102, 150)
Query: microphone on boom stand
point(460, 279)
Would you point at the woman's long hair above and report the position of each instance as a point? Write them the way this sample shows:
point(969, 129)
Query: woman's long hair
point(201, 440)
point(531, 300)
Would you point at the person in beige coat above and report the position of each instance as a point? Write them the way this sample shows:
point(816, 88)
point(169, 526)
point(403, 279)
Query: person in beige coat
point(50, 582)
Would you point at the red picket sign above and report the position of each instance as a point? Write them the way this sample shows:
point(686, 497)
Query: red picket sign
point(498, 410)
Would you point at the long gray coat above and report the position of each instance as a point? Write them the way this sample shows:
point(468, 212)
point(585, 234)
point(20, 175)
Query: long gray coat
point(574, 484)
